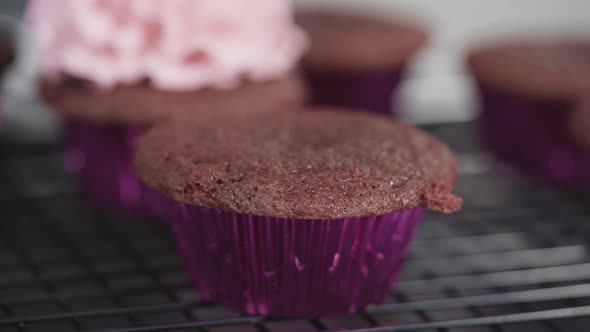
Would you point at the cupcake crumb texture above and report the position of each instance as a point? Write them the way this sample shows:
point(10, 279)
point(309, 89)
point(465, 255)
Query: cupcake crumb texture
point(301, 164)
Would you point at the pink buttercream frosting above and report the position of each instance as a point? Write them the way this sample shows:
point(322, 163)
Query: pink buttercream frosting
point(176, 44)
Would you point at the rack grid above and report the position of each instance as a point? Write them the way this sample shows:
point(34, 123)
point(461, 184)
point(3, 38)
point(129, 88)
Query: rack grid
point(514, 259)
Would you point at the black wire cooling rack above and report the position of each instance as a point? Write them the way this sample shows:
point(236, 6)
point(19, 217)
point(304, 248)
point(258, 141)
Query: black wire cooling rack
point(515, 259)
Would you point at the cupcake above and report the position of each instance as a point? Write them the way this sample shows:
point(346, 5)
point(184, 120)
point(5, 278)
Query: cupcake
point(287, 214)
point(114, 68)
point(529, 91)
point(356, 61)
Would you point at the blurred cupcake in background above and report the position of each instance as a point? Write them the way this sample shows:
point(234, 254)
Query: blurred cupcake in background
point(356, 60)
point(113, 68)
point(530, 91)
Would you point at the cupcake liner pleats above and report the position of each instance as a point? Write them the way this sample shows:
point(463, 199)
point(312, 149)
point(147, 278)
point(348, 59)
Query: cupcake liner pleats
point(100, 156)
point(293, 267)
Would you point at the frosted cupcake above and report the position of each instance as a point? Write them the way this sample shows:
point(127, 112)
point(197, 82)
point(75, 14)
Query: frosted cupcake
point(530, 91)
point(289, 214)
point(113, 68)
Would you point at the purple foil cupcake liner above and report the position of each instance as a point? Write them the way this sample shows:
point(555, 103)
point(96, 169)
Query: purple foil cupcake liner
point(101, 157)
point(292, 267)
point(532, 136)
point(368, 91)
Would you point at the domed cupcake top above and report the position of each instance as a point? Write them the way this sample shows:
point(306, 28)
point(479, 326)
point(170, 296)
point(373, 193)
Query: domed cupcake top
point(340, 41)
point(542, 69)
point(177, 45)
point(318, 164)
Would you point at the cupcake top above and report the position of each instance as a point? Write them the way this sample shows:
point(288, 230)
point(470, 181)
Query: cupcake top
point(547, 70)
point(317, 164)
point(179, 45)
point(140, 104)
point(346, 42)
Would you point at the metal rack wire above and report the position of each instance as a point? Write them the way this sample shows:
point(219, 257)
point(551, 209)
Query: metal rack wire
point(515, 259)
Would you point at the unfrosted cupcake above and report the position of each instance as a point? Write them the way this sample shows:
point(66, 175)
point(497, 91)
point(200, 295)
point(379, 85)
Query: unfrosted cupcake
point(529, 92)
point(290, 214)
point(357, 61)
point(113, 68)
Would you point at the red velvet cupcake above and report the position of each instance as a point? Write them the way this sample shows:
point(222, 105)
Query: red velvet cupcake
point(357, 61)
point(530, 91)
point(296, 213)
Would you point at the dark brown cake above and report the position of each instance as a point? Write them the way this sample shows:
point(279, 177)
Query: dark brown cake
point(344, 42)
point(547, 70)
point(318, 164)
point(141, 104)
